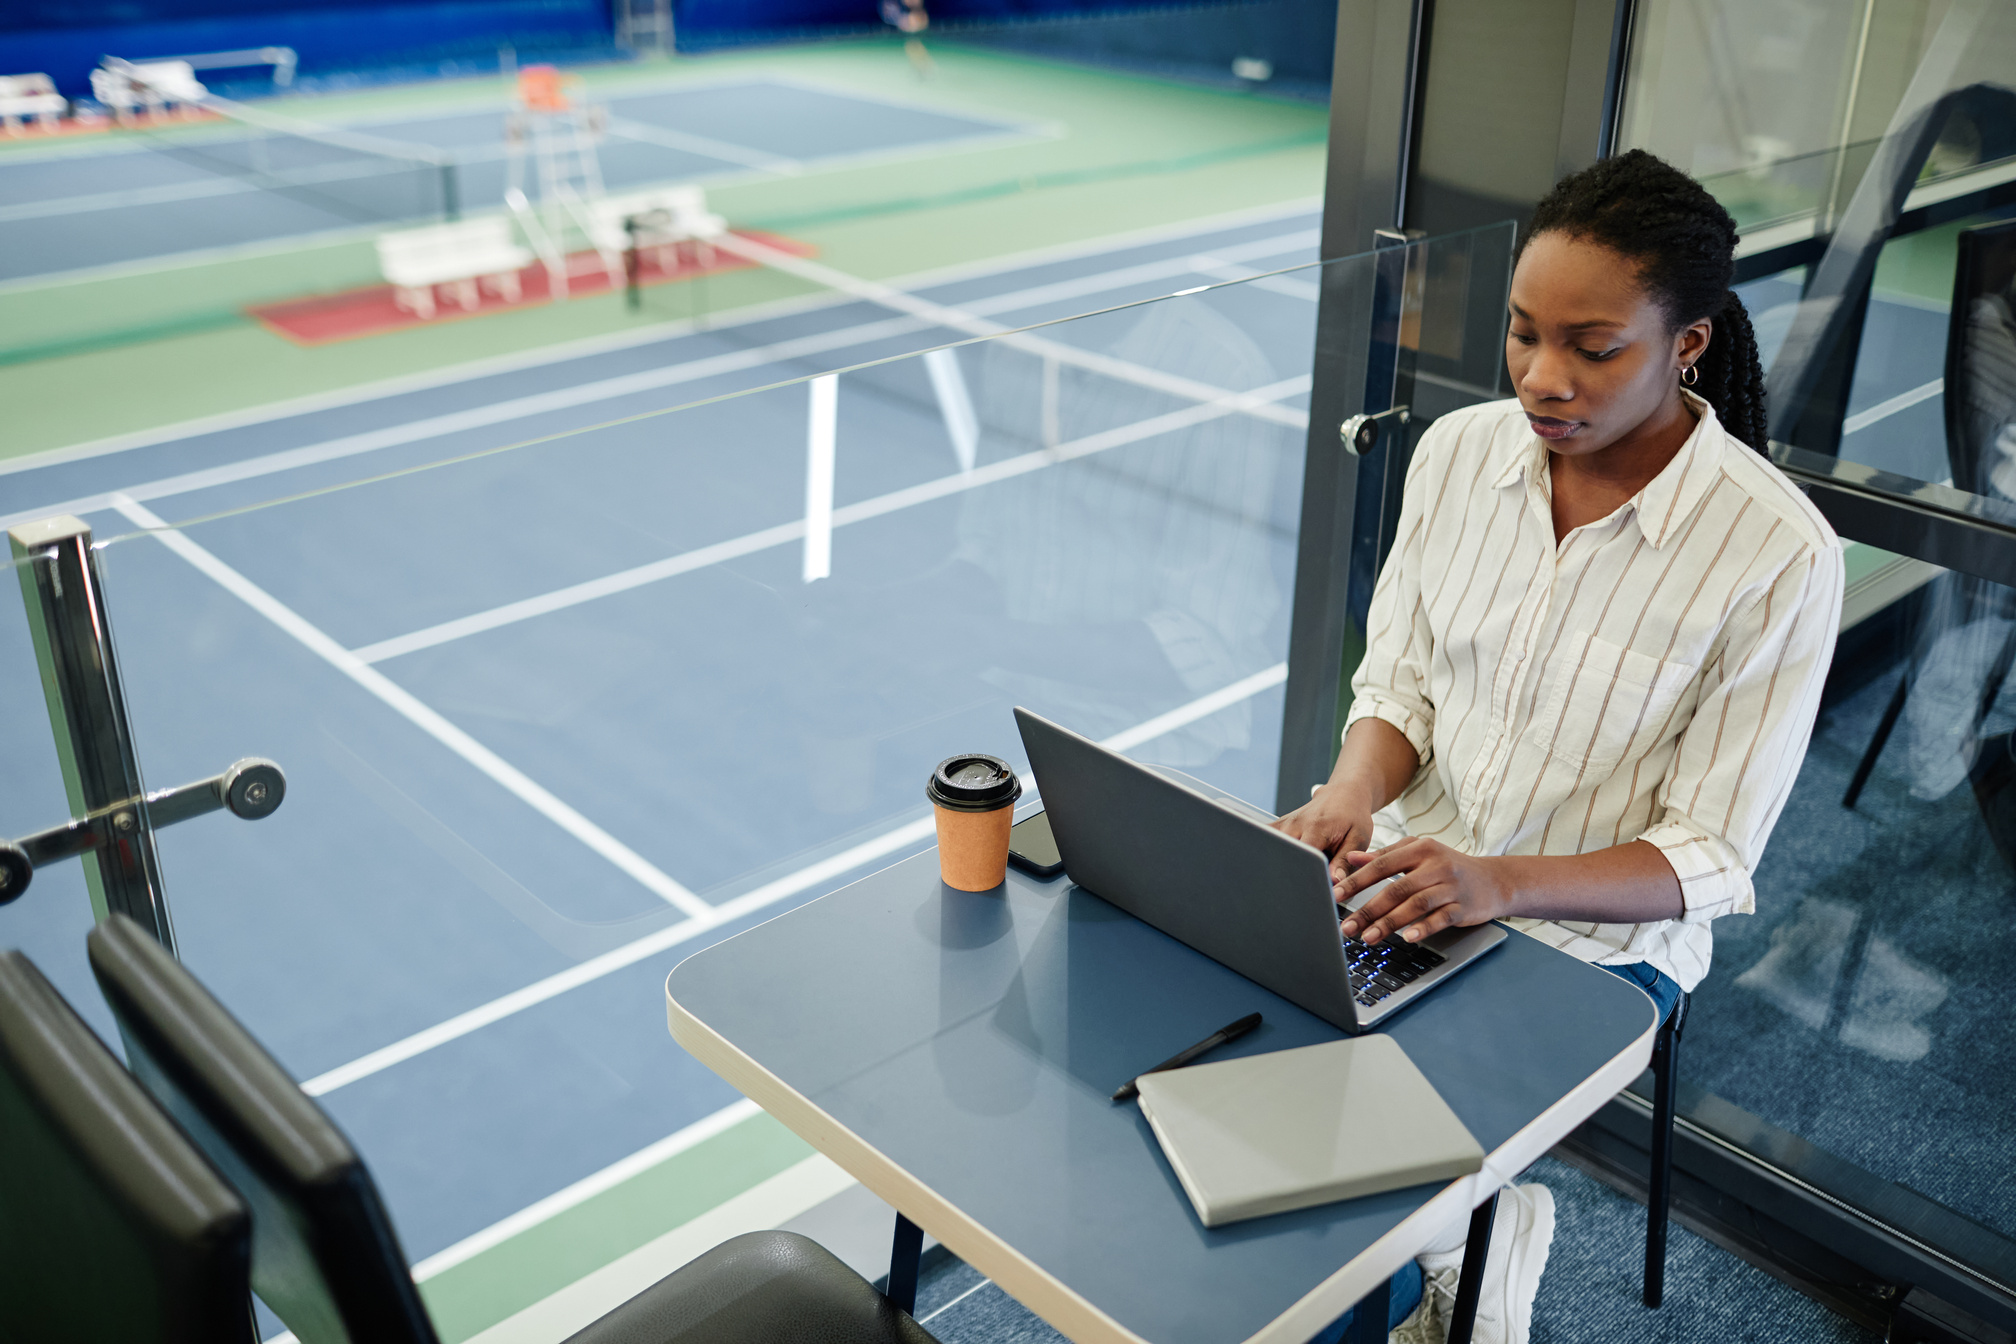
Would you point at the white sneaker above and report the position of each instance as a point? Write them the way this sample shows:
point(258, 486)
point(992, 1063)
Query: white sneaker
point(1429, 1324)
point(1521, 1233)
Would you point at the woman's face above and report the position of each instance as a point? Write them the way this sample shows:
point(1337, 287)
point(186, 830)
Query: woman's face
point(1589, 351)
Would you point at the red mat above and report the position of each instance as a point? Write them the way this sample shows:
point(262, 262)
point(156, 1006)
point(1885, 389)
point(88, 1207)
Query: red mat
point(367, 312)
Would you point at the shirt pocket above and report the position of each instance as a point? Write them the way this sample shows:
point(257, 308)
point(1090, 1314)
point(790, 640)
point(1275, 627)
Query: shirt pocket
point(1608, 703)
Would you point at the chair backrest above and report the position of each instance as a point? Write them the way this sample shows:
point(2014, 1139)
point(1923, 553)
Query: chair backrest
point(1980, 392)
point(324, 1255)
point(112, 1224)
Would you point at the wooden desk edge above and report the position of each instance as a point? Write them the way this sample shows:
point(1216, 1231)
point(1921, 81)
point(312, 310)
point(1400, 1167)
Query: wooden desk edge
point(1080, 1321)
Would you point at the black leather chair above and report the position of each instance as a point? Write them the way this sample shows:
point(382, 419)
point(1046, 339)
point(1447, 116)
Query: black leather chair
point(113, 1227)
point(324, 1255)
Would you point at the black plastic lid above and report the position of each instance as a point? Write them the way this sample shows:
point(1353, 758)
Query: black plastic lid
point(973, 783)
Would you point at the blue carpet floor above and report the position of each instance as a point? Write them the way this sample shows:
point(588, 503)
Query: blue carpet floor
point(1588, 1296)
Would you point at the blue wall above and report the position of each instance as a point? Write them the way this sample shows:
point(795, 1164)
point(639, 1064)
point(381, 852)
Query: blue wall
point(66, 40)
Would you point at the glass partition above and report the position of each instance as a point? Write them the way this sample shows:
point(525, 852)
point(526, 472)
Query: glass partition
point(565, 689)
point(1868, 152)
point(1859, 1007)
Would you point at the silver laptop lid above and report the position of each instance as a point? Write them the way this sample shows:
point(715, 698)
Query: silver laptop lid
point(1231, 887)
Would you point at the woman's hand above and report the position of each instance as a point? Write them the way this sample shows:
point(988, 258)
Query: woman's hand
point(1337, 820)
point(1433, 887)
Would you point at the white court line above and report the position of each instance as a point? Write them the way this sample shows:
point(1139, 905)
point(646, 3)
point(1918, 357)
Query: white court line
point(1184, 715)
point(720, 552)
point(955, 405)
point(119, 200)
point(822, 430)
point(836, 865)
point(586, 1188)
point(1218, 268)
point(421, 716)
point(455, 422)
point(1883, 410)
point(707, 147)
point(582, 347)
point(963, 319)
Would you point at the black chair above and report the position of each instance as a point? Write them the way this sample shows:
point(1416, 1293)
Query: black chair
point(1980, 400)
point(324, 1255)
point(113, 1227)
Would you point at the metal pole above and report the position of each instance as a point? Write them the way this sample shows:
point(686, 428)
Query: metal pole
point(1373, 89)
point(64, 594)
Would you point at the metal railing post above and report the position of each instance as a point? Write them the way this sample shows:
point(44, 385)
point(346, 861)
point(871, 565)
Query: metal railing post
point(62, 589)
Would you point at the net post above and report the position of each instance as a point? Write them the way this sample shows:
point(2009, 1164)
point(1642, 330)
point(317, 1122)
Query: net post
point(451, 196)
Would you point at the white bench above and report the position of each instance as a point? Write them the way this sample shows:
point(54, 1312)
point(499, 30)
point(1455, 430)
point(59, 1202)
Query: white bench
point(25, 96)
point(665, 218)
point(461, 255)
point(126, 86)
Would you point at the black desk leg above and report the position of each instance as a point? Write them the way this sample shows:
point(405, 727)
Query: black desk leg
point(904, 1259)
point(1471, 1284)
point(1659, 1198)
point(1369, 1317)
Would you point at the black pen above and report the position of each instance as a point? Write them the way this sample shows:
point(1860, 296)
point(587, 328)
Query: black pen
point(1128, 1090)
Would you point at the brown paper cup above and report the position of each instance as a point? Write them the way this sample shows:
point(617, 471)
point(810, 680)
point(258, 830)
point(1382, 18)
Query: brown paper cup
point(973, 847)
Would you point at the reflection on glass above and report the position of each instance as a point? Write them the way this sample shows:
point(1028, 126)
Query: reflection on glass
point(1155, 566)
point(1859, 147)
point(1861, 1007)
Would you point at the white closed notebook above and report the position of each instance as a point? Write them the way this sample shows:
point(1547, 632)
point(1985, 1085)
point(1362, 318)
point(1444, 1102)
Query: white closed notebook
point(1296, 1128)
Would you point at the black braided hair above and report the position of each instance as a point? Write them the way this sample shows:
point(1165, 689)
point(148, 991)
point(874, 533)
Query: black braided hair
point(1648, 211)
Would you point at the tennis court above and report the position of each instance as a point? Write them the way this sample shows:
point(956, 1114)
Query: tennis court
point(181, 188)
point(555, 717)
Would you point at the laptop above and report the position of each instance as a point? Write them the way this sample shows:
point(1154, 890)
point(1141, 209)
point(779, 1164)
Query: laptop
point(1209, 872)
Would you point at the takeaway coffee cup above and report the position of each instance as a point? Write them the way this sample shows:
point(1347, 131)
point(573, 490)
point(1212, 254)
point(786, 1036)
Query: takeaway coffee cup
point(974, 799)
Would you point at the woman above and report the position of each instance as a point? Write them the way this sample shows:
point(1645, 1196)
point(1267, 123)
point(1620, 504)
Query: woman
point(1594, 657)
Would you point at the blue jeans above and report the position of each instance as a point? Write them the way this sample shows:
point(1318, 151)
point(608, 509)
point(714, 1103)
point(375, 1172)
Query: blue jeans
point(1664, 991)
point(1406, 1297)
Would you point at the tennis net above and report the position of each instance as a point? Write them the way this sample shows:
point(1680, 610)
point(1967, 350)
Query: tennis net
point(352, 175)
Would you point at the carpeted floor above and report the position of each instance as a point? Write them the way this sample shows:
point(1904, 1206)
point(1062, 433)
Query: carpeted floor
point(1862, 1007)
point(1589, 1294)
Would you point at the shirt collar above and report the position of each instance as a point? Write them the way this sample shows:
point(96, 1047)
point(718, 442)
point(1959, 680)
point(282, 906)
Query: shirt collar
point(1664, 504)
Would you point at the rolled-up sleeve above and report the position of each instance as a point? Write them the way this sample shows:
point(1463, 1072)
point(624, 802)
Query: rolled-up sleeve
point(1741, 752)
point(1392, 679)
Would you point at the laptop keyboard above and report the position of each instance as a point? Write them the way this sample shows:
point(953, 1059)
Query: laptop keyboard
point(1385, 967)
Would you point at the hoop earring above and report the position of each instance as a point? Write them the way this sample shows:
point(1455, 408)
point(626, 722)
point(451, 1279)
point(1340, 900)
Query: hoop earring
point(1690, 376)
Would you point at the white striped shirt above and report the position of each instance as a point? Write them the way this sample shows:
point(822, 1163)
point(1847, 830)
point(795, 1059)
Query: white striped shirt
point(1653, 678)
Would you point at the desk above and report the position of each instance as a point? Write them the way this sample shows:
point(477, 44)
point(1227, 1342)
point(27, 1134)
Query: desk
point(955, 1053)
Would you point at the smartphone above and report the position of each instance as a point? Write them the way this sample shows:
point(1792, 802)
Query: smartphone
point(1032, 848)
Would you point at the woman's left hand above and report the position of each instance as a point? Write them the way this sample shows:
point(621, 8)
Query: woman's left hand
point(1433, 887)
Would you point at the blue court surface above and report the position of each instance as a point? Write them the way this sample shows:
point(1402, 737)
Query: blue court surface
point(95, 203)
point(554, 718)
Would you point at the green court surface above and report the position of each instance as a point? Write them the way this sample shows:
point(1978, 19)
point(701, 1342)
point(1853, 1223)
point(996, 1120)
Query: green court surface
point(1104, 154)
point(547, 1256)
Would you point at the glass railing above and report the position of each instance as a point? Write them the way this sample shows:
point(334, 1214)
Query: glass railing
point(567, 684)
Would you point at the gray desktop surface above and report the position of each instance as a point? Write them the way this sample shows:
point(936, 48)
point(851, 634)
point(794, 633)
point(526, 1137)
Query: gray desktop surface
point(974, 1039)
